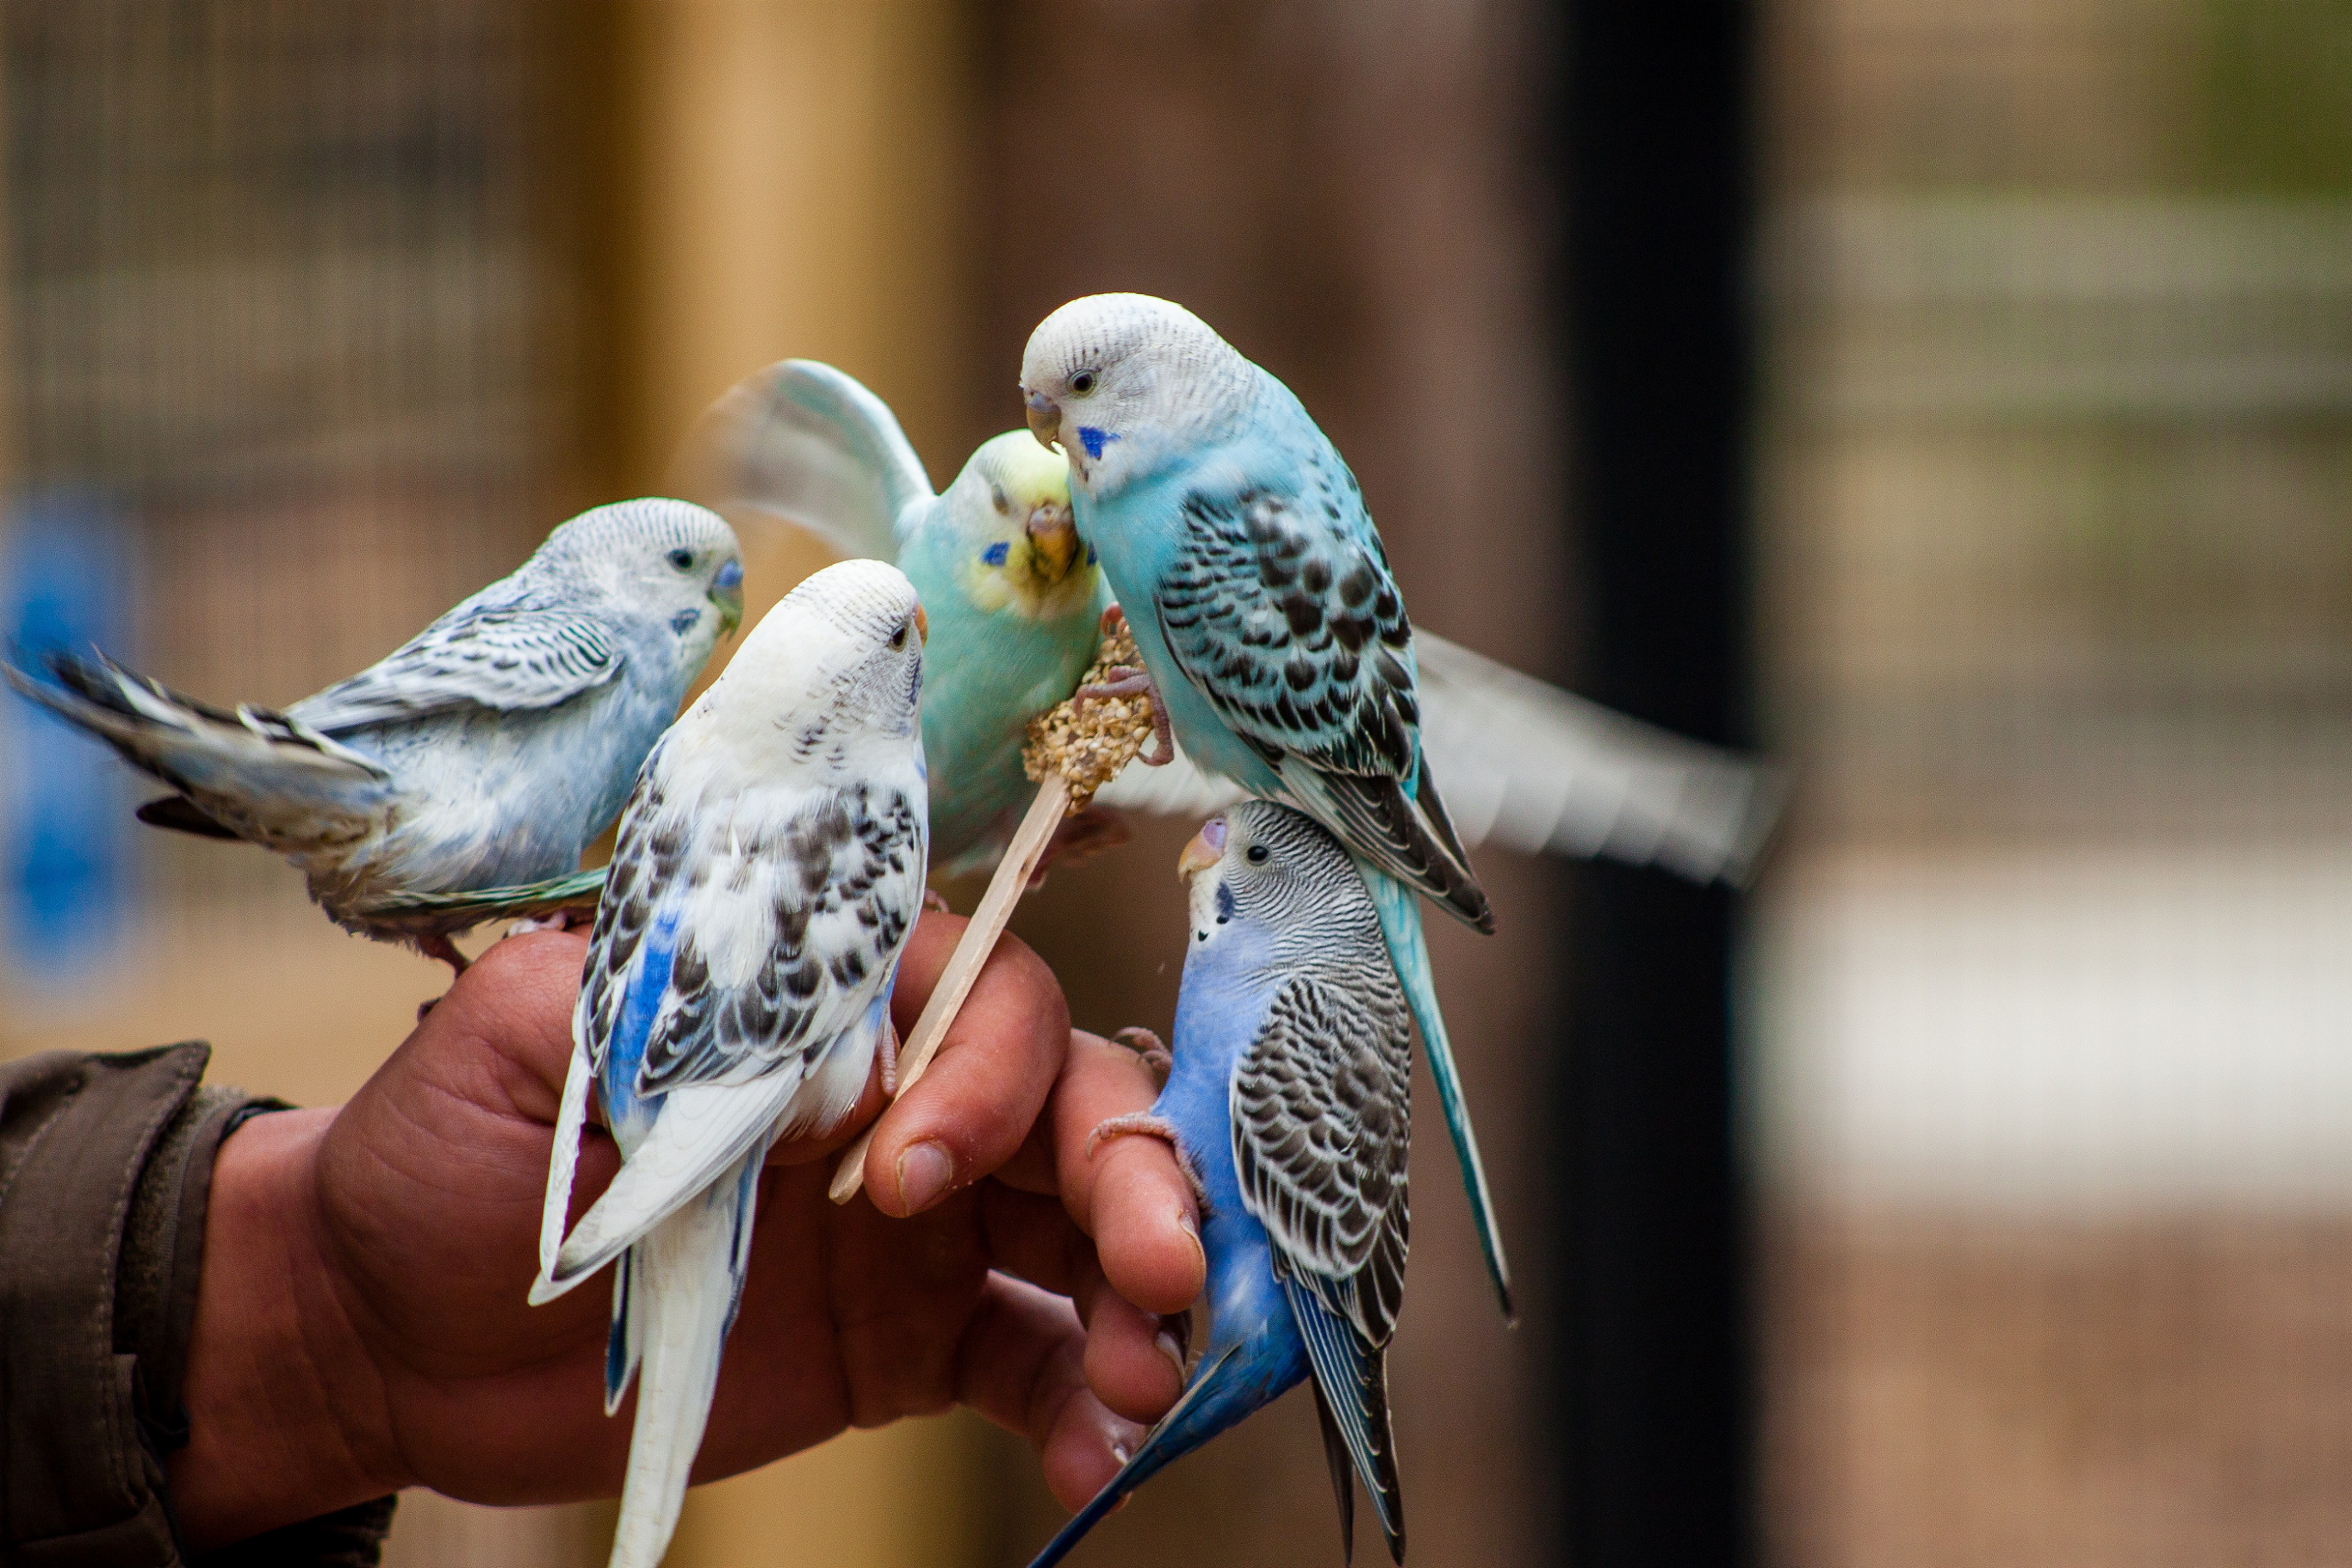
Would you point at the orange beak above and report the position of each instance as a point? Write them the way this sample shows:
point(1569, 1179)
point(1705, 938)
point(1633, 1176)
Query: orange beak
point(922, 623)
point(1203, 850)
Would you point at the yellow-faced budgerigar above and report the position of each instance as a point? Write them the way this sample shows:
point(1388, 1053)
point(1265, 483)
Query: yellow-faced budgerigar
point(1289, 1101)
point(487, 750)
point(738, 987)
point(1015, 604)
point(1273, 635)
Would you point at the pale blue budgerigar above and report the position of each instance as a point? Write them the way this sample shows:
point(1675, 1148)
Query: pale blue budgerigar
point(736, 988)
point(487, 750)
point(1289, 1101)
point(1272, 632)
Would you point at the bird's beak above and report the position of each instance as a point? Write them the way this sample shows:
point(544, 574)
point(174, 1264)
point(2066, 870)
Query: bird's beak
point(922, 623)
point(1053, 540)
point(727, 593)
point(1045, 421)
point(1203, 850)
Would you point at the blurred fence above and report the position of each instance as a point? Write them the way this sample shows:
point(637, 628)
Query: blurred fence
point(2051, 998)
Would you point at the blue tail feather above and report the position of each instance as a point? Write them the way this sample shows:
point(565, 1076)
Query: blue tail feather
point(1239, 1380)
point(1400, 911)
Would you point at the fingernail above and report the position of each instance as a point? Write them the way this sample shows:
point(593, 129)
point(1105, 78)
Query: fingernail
point(1171, 1350)
point(925, 1169)
point(1185, 1223)
point(1120, 1451)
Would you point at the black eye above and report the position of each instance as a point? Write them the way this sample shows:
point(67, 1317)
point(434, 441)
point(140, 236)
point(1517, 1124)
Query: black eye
point(899, 638)
point(1257, 855)
point(996, 493)
point(682, 559)
point(1083, 382)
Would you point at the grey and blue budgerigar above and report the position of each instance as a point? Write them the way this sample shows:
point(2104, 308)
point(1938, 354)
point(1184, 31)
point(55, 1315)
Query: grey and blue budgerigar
point(737, 987)
point(487, 750)
point(1272, 632)
point(1288, 1100)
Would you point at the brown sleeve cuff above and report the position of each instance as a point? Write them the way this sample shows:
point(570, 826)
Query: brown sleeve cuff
point(105, 1168)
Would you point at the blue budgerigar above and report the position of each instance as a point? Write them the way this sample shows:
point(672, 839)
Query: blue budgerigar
point(1015, 604)
point(1272, 632)
point(736, 988)
point(1288, 1100)
point(487, 750)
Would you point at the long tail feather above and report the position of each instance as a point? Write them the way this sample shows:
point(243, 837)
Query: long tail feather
point(251, 771)
point(683, 1280)
point(1220, 1394)
point(1400, 911)
point(1343, 1472)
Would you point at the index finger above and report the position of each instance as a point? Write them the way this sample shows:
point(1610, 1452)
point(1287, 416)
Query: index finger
point(971, 1111)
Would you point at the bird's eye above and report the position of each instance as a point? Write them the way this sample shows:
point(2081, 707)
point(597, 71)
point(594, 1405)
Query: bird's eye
point(1257, 855)
point(996, 493)
point(899, 638)
point(682, 559)
point(1083, 382)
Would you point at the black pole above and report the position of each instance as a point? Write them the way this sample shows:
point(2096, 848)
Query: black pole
point(1653, 1372)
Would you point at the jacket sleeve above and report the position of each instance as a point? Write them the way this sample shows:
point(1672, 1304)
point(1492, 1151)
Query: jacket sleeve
point(105, 1166)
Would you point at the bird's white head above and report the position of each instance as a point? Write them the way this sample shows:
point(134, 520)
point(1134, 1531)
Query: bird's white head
point(675, 566)
point(831, 678)
point(1016, 548)
point(1123, 383)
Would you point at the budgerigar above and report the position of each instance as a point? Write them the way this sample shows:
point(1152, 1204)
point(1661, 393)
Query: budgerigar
point(1272, 633)
point(487, 751)
point(1289, 1099)
point(737, 987)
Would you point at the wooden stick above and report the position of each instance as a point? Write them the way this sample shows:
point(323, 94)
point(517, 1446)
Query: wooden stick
point(988, 923)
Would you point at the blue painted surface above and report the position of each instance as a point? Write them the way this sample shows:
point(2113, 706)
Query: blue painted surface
point(66, 826)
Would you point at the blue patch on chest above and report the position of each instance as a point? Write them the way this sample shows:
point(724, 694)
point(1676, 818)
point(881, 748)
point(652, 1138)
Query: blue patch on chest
point(1094, 440)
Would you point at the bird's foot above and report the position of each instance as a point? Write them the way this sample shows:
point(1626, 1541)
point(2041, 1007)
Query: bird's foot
point(1151, 1126)
point(1081, 838)
point(933, 899)
point(1112, 620)
point(425, 1006)
point(438, 946)
point(1154, 1051)
point(1127, 681)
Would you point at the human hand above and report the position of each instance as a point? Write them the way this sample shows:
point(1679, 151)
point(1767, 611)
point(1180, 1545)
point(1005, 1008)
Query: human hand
point(361, 1324)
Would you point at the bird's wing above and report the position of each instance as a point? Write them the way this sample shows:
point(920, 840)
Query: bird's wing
point(520, 650)
point(801, 442)
point(1321, 1104)
point(1321, 1127)
point(1535, 768)
point(735, 947)
point(1281, 609)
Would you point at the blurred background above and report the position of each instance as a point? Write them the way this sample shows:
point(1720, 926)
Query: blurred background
point(1954, 399)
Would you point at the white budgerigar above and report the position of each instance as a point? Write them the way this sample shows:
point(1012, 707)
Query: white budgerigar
point(487, 750)
point(738, 987)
